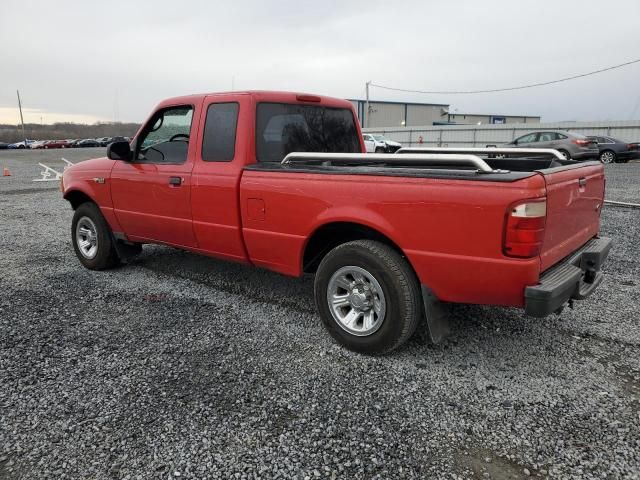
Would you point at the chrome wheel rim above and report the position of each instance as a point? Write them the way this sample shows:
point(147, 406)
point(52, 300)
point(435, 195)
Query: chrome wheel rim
point(87, 237)
point(606, 157)
point(356, 301)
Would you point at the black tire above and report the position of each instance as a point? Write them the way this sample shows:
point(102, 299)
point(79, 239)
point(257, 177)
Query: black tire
point(399, 285)
point(106, 255)
point(608, 156)
point(379, 150)
point(566, 154)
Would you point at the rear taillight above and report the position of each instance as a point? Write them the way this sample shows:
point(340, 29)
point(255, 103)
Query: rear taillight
point(524, 228)
point(579, 141)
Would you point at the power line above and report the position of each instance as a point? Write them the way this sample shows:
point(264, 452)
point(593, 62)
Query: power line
point(521, 87)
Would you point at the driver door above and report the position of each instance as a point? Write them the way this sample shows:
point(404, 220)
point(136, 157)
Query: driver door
point(152, 193)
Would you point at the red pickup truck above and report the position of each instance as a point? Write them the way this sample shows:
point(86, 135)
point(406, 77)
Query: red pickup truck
point(281, 181)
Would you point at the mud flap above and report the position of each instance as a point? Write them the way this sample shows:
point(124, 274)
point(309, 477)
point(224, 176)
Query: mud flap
point(436, 316)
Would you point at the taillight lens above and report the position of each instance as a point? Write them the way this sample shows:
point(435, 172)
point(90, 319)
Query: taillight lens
point(524, 229)
point(579, 141)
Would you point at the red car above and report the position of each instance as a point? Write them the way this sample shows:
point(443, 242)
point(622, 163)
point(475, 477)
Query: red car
point(388, 236)
point(56, 144)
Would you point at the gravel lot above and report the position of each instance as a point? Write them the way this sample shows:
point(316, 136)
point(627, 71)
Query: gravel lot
point(182, 366)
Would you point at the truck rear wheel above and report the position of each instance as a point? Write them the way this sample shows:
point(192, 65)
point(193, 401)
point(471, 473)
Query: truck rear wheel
point(368, 296)
point(92, 239)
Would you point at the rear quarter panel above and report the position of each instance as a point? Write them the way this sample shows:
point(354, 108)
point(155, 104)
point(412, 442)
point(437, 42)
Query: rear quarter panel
point(450, 230)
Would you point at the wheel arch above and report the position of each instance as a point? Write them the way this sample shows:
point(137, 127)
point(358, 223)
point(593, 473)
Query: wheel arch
point(77, 198)
point(331, 234)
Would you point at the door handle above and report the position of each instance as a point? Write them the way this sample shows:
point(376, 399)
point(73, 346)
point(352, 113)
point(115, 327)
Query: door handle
point(175, 181)
point(582, 182)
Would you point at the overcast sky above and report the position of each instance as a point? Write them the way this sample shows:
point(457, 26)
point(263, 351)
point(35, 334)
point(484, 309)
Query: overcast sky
point(89, 60)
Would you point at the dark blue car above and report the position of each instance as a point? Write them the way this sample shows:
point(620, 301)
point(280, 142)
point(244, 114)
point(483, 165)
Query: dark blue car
point(614, 150)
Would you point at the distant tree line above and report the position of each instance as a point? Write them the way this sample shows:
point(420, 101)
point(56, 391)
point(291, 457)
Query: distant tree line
point(60, 131)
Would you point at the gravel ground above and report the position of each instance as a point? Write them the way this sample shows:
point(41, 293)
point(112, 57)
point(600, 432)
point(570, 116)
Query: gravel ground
point(179, 366)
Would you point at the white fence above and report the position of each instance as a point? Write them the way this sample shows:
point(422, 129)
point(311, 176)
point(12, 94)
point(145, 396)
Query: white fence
point(482, 135)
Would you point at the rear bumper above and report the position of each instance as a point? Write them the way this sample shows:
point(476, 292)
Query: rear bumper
point(575, 278)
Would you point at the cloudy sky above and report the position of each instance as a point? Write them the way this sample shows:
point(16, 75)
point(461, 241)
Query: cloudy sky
point(89, 60)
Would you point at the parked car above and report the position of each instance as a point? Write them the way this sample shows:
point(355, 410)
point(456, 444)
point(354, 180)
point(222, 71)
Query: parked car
point(382, 254)
point(374, 143)
point(118, 139)
point(37, 144)
point(381, 144)
point(86, 143)
point(4, 146)
point(56, 144)
point(573, 146)
point(389, 145)
point(369, 143)
point(614, 150)
point(21, 145)
point(103, 141)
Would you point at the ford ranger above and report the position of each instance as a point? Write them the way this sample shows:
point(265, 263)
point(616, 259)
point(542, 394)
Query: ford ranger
point(280, 181)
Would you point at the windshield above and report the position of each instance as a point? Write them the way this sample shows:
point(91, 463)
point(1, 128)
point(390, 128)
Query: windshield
point(380, 138)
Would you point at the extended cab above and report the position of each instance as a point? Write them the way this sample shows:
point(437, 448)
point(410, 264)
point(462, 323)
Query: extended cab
point(279, 180)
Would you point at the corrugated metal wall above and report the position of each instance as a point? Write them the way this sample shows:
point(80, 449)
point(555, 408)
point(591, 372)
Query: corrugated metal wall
point(482, 135)
point(382, 114)
point(397, 114)
point(424, 114)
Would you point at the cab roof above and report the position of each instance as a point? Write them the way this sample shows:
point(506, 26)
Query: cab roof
point(264, 96)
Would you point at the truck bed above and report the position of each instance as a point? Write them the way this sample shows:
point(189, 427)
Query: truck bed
point(504, 169)
point(449, 220)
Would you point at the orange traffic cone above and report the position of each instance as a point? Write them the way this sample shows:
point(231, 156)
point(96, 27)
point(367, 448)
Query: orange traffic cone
point(6, 172)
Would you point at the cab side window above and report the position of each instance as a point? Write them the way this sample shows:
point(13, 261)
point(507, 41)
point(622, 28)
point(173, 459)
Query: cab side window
point(165, 138)
point(219, 141)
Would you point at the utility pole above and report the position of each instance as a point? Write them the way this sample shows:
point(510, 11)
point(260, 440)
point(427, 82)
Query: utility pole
point(366, 107)
point(21, 118)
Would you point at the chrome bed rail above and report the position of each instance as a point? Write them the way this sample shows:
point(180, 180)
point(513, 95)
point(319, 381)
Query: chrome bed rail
point(409, 160)
point(476, 150)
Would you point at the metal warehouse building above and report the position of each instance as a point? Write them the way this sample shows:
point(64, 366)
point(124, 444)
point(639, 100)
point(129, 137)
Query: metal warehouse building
point(400, 114)
point(407, 114)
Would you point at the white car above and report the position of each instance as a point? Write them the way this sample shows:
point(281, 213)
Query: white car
point(380, 144)
point(374, 144)
point(22, 144)
point(389, 145)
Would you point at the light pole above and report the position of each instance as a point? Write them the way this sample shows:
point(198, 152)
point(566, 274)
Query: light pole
point(366, 106)
point(21, 119)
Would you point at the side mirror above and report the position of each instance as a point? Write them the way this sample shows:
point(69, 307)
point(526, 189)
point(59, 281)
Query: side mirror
point(119, 151)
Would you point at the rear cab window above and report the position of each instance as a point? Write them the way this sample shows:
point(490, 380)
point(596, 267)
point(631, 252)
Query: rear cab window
point(282, 128)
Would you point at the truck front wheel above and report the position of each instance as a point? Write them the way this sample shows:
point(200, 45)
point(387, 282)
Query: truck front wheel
point(92, 239)
point(368, 296)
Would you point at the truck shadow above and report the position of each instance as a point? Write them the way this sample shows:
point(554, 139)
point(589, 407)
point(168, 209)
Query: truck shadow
point(469, 324)
point(247, 281)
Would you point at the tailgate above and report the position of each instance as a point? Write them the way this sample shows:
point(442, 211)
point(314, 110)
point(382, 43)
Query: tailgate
point(574, 201)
